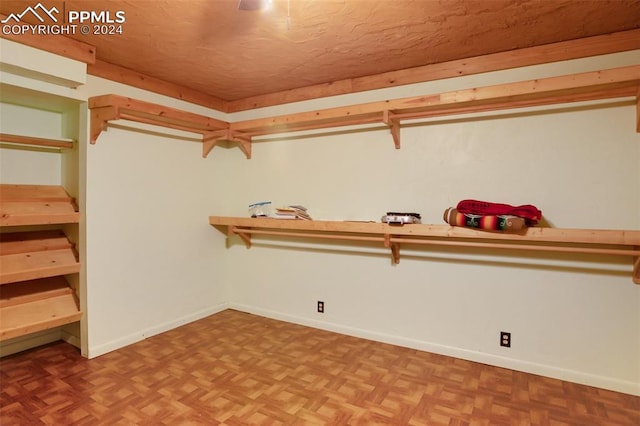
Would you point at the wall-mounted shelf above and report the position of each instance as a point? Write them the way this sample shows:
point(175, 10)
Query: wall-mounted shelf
point(605, 84)
point(596, 85)
point(535, 239)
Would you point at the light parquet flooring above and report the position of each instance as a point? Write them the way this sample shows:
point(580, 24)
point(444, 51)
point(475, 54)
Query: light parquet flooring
point(234, 368)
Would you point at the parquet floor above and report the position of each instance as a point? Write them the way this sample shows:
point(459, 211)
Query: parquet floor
point(235, 368)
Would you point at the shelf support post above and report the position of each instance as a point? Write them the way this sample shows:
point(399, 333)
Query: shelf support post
point(395, 249)
point(635, 275)
point(394, 126)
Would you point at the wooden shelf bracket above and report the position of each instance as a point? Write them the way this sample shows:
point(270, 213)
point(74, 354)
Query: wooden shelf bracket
point(394, 126)
point(636, 268)
point(210, 140)
point(243, 235)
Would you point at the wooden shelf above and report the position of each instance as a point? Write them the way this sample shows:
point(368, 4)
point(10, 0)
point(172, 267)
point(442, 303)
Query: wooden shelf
point(36, 205)
point(37, 305)
point(605, 84)
point(113, 107)
point(588, 86)
point(31, 255)
point(39, 142)
point(535, 239)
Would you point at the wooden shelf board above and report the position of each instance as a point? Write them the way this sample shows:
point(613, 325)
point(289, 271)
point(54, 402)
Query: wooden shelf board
point(26, 242)
point(36, 205)
point(532, 234)
point(32, 290)
point(31, 255)
point(28, 266)
point(37, 305)
point(534, 239)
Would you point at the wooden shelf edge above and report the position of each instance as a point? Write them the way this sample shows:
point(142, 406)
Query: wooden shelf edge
point(557, 240)
point(531, 234)
point(42, 219)
point(34, 141)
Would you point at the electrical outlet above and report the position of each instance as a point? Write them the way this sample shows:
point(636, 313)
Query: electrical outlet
point(505, 339)
point(321, 306)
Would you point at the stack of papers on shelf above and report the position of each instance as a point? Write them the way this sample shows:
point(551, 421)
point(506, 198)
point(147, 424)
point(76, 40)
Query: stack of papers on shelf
point(292, 212)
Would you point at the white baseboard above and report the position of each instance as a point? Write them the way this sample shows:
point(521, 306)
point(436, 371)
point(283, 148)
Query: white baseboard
point(95, 351)
point(574, 376)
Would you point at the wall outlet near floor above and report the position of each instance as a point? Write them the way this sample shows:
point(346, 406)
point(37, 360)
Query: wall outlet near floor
point(505, 339)
point(321, 306)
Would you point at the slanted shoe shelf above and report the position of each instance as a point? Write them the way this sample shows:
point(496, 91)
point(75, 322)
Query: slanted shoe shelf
point(34, 294)
point(36, 205)
point(37, 305)
point(535, 239)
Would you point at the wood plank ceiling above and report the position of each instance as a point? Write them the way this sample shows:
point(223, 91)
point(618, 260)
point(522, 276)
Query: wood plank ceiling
point(233, 55)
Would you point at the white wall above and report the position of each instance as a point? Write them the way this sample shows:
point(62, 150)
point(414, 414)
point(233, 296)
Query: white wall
point(151, 255)
point(152, 261)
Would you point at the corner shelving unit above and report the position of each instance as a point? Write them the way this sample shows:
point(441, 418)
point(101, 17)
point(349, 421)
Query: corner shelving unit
point(587, 86)
point(535, 239)
point(34, 294)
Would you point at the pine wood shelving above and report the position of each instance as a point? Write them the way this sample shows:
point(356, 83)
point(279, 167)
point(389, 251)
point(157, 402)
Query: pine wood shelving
point(106, 108)
point(34, 294)
point(31, 255)
point(534, 239)
point(588, 86)
point(31, 306)
point(36, 205)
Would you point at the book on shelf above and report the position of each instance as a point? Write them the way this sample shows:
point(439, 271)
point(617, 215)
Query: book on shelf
point(292, 212)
